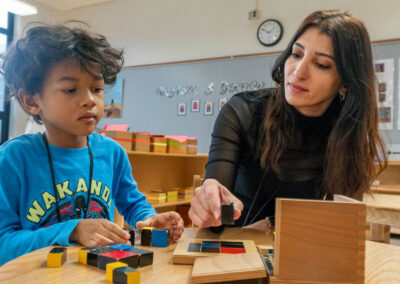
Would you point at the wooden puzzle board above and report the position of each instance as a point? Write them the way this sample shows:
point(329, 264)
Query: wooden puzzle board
point(226, 267)
point(181, 254)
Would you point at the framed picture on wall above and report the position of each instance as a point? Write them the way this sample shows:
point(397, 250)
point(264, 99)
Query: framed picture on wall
point(208, 108)
point(195, 106)
point(222, 102)
point(113, 99)
point(181, 108)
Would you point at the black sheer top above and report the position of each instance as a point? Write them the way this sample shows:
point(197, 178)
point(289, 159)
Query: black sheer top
point(234, 162)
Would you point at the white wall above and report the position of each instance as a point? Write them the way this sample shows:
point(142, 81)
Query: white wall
point(155, 31)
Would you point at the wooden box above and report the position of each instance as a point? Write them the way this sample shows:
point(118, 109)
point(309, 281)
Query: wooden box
point(123, 138)
point(156, 197)
point(191, 146)
point(141, 141)
point(172, 195)
point(186, 194)
point(319, 241)
point(158, 144)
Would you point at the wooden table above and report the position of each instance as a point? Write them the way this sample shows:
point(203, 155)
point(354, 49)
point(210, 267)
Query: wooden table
point(382, 263)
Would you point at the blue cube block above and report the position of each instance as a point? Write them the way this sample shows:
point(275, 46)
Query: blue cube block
point(159, 238)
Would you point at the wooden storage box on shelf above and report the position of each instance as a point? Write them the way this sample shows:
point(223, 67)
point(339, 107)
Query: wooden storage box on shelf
point(158, 144)
point(131, 141)
point(191, 146)
point(141, 141)
point(175, 146)
point(156, 197)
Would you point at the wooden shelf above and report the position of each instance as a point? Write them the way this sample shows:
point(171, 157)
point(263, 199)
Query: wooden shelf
point(167, 204)
point(386, 188)
point(167, 154)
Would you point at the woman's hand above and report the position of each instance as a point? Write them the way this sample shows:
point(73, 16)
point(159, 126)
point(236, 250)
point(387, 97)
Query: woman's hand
point(169, 220)
point(93, 232)
point(205, 209)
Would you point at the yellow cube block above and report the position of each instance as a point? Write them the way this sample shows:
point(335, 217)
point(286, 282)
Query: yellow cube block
point(110, 268)
point(82, 256)
point(56, 257)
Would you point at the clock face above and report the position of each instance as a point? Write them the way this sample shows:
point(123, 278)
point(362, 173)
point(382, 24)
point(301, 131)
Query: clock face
point(269, 32)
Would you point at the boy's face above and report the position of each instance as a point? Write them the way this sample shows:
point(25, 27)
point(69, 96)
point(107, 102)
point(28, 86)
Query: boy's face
point(71, 103)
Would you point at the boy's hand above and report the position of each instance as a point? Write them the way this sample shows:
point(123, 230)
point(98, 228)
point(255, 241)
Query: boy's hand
point(93, 232)
point(169, 220)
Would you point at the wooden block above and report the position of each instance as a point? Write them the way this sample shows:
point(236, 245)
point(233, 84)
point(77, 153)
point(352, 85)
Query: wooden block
point(56, 257)
point(183, 253)
point(267, 251)
point(172, 196)
point(227, 211)
point(159, 238)
point(158, 144)
point(224, 267)
point(93, 254)
point(145, 256)
point(186, 194)
point(320, 241)
point(146, 236)
point(156, 197)
point(141, 141)
point(132, 234)
point(110, 269)
point(126, 275)
point(130, 258)
point(191, 146)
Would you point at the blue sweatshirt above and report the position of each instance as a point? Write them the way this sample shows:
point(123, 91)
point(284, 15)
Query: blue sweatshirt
point(28, 215)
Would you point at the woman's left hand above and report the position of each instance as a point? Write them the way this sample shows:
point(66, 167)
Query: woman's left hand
point(171, 221)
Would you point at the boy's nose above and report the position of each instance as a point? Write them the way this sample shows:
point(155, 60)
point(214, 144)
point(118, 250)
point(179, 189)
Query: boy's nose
point(89, 99)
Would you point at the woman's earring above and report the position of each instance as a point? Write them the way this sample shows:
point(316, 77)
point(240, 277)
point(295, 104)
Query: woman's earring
point(342, 95)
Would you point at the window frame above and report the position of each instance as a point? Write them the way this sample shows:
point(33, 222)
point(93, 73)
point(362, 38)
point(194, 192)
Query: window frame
point(5, 114)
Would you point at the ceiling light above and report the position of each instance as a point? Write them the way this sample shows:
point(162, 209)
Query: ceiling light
point(18, 7)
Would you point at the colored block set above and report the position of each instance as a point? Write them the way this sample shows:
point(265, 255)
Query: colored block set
point(154, 237)
point(120, 261)
point(217, 247)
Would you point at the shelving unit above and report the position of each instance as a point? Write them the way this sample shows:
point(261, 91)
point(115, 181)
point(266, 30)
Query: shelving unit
point(155, 171)
point(387, 193)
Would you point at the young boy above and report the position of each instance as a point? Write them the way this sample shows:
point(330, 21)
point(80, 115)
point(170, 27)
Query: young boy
point(61, 186)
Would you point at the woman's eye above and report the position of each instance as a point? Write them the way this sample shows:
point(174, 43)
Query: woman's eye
point(321, 66)
point(295, 55)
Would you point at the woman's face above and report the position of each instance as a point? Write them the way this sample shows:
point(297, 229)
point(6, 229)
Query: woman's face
point(311, 78)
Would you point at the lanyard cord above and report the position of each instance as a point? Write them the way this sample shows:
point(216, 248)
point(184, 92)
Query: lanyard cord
point(46, 143)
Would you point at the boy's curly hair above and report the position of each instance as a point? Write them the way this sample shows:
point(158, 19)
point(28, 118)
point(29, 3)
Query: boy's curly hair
point(27, 61)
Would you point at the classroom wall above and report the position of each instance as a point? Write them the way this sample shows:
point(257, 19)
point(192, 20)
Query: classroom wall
point(156, 31)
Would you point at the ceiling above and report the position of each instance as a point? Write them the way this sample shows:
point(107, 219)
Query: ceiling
point(64, 5)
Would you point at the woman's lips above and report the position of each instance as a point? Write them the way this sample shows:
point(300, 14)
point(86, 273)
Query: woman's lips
point(296, 88)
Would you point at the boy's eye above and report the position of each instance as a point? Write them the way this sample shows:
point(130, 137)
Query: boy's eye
point(98, 90)
point(69, 91)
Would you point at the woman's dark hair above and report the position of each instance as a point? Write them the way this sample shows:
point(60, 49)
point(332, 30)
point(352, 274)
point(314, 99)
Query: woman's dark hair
point(26, 62)
point(354, 141)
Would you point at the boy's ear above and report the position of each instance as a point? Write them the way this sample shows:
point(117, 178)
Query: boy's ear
point(29, 102)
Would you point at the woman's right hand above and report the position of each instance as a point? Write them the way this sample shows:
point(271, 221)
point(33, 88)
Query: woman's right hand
point(205, 209)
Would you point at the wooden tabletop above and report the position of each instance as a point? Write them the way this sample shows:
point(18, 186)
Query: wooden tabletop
point(382, 263)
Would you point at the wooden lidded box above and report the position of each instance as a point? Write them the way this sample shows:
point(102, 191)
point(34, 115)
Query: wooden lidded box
point(158, 143)
point(191, 145)
point(123, 138)
point(141, 141)
point(186, 194)
point(176, 144)
point(156, 197)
